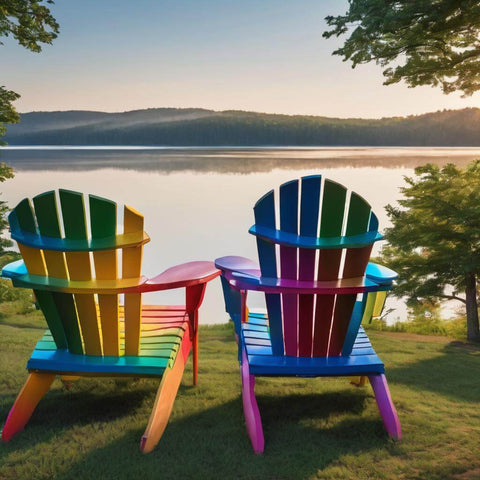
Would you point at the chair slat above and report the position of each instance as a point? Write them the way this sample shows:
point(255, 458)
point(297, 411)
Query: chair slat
point(331, 222)
point(131, 266)
point(355, 263)
point(103, 218)
point(309, 210)
point(264, 212)
point(79, 268)
point(288, 263)
point(48, 224)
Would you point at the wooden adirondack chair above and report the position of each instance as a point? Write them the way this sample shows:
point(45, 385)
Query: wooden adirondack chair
point(318, 287)
point(90, 333)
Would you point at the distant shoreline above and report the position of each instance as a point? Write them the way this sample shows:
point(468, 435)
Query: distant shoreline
point(165, 128)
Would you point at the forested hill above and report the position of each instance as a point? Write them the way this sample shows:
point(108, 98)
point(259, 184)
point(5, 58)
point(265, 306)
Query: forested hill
point(199, 127)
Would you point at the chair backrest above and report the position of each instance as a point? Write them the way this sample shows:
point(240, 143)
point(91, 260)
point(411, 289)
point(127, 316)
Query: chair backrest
point(345, 229)
point(61, 247)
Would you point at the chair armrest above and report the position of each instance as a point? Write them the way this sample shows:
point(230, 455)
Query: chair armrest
point(14, 269)
point(184, 275)
point(380, 274)
point(242, 281)
point(243, 265)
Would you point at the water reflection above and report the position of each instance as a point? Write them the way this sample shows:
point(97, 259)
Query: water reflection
point(198, 202)
point(228, 160)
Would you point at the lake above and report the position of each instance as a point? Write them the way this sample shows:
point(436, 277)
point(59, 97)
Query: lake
point(198, 202)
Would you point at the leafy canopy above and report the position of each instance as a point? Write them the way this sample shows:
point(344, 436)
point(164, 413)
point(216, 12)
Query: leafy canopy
point(435, 237)
point(30, 23)
point(423, 42)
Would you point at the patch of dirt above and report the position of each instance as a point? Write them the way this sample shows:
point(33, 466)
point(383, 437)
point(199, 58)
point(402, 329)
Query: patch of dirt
point(470, 475)
point(472, 347)
point(414, 337)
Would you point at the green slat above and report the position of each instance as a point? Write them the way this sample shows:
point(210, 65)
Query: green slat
point(358, 215)
point(155, 340)
point(103, 217)
point(48, 224)
point(68, 316)
point(161, 353)
point(333, 208)
point(23, 212)
point(47, 214)
point(46, 345)
point(73, 212)
point(47, 304)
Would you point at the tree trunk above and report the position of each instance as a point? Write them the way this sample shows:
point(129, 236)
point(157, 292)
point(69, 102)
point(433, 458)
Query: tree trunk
point(473, 332)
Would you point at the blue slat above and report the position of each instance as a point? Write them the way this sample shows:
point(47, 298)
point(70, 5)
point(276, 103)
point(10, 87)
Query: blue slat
point(321, 366)
point(63, 361)
point(309, 205)
point(280, 237)
point(275, 323)
point(289, 206)
point(353, 326)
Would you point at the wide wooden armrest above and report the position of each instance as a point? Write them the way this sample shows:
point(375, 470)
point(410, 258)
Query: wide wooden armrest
point(380, 274)
point(14, 269)
point(184, 275)
point(242, 281)
point(238, 264)
point(280, 237)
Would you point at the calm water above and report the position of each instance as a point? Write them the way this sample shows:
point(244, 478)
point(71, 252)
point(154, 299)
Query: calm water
point(198, 202)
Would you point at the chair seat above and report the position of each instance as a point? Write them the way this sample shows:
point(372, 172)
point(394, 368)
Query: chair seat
point(256, 337)
point(162, 330)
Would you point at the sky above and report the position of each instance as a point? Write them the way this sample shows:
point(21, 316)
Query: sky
point(256, 55)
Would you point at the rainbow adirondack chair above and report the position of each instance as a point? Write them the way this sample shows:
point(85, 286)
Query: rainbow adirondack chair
point(90, 333)
point(318, 287)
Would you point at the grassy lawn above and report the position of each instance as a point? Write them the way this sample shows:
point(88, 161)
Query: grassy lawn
point(314, 428)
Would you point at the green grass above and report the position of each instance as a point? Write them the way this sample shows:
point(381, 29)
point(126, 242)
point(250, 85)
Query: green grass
point(314, 428)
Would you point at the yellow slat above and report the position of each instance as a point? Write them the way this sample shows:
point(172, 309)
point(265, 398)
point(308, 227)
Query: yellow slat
point(108, 305)
point(34, 260)
point(131, 267)
point(79, 268)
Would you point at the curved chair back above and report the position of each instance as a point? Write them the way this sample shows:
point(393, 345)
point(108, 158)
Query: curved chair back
point(321, 232)
point(72, 264)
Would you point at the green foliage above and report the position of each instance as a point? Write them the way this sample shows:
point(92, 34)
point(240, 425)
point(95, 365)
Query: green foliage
point(423, 319)
point(8, 114)
point(194, 127)
point(434, 241)
point(437, 41)
point(30, 23)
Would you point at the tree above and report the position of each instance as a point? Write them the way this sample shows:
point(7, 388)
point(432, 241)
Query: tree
point(438, 41)
point(31, 24)
point(434, 241)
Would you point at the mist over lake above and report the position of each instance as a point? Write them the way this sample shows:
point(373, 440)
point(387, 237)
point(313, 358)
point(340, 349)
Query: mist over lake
point(198, 202)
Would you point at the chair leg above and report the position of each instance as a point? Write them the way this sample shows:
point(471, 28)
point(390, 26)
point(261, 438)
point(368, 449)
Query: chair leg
point(36, 386)
point(250, 407)
point(386, 406)
point(358, 381)
point(195, 357)
point(162, 408)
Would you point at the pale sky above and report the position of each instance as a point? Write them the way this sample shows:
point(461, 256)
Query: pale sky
point(259, 55)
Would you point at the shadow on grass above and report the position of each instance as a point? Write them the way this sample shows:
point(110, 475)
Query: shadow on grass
point(450, 374)
point(59, 411)
point(214, 444)
point(304, 434)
